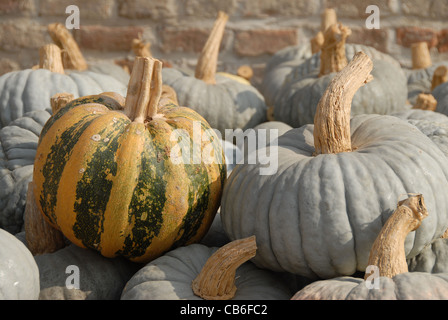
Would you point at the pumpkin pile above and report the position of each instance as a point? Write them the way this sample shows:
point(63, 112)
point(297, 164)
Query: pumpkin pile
point(127, 175)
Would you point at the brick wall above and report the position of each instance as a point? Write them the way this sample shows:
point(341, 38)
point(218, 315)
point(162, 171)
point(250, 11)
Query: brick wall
point(177, 29)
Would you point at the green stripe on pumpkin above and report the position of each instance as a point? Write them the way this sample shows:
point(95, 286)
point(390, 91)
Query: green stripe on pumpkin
point(55, 164)
point(93, 189)
point(147, 204)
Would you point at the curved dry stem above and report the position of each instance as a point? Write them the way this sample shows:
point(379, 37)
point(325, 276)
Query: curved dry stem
point(216, 281)
point(72, 56)
point(332, 119)
point(208, 60)
point(421, 58)
point(440, 76)
point(388, 253)
point(50, 58)
point(40, 236)
point(144, 89)
point(333, 58)
point(425, 101)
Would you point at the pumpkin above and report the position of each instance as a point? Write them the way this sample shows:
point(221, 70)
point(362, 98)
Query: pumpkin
point(119, 181)
point(73, 59)
point(331, 191)
point(393, 280)
point(284, 60)
point(19, 274)
point(28, 90)
point(18, 143)
point(198, 272)
point(232, 155)
point(296, 101)
point(432, 259)
point(224, 102)
point(440, 93)
point(433, 124)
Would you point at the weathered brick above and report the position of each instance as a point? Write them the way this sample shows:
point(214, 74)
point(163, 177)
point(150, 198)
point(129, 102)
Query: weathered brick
point(296, 8)
point(406, 36)
point(438, 9)
point(442, 37)
point(144, 9)
point(209, 8)
point(376, 38)
point(103, 38)
point(21, 7)
point(258, 42)
point(88, 9)
point(19, 34)
point(186, 39)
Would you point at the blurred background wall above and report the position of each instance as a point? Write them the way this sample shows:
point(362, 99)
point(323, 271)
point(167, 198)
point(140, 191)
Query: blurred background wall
point(177, 29)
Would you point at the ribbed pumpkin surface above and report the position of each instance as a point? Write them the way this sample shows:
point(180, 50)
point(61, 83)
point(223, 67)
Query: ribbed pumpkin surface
point(108, 183)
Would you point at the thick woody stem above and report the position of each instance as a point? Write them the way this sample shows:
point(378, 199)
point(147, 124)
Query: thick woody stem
point(216, 281)
point(144, 89)
point(317, 42)
point(328, 18)
point(332, 118)
point(208, 60)
point(59, 100)
point(388, 253)
point(421, 58)
point(425, 101)
point(333, 58)
point(439, 76)
point(40, 236)
point(72, 56)
point(50, 58)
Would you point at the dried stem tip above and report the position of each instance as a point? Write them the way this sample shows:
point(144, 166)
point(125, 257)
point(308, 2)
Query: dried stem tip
point(144, 89)
point(50, 58)
point(440, 76)
point(216, 281)
point(208, 60)
point(72, 56)
point(388, 253)
point(421, 58)
point(333, 58)
point(59, 100)
point(425, 101)
point(332, 119)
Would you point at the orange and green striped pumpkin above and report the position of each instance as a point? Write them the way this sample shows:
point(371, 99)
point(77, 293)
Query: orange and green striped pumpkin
point(104, 177)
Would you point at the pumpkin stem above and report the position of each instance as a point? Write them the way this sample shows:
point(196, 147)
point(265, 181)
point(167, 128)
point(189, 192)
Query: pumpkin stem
point(140, 48)
point(40, 236)
point(332, 58)
point(245, 72)
point(421, 58)
point(144, 89)
point(317, 42)
point(59, 100)
point(327, 19)
point(425, 101)
point(71, 54)
point(50, 58)
point(216, 281)
point(332, 119)
point(388, 252)
point(208, 60)
point(440, 76)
